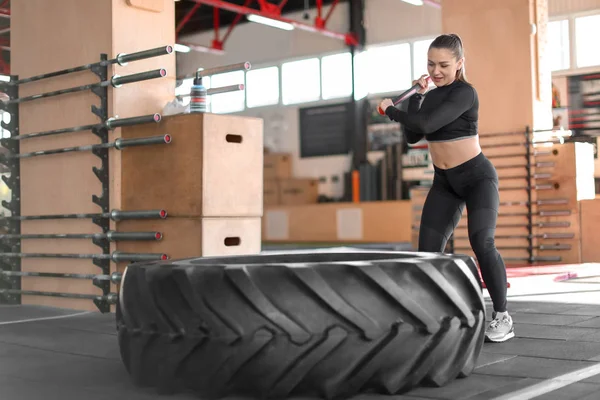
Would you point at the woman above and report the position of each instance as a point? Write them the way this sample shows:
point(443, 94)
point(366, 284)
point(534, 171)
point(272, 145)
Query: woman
point(447, 119)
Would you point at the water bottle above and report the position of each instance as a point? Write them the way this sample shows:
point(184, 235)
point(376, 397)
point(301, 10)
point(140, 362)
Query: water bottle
point(198, 96)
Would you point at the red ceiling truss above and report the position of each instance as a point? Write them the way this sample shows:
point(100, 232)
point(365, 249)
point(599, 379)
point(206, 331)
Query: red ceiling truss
point(267, 9)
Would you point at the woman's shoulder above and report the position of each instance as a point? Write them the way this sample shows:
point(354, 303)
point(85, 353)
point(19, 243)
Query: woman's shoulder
point(462, 88)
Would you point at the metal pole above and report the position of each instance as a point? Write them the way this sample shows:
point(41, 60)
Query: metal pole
point(111, 236)
point(121, 59)
point(115, 277)
point(110, 124)
point(115, 256)
point(118, 144)
point(115, 81)
point(115, 215)
point(244, 66)
point(111, 298)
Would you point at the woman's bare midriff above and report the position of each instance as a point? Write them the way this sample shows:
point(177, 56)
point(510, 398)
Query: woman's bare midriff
point(445, 155)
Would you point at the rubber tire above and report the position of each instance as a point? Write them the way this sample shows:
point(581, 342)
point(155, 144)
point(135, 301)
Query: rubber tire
point(328, 324)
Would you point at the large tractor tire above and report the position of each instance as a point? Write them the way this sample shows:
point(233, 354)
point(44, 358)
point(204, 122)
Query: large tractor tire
point(328, 325)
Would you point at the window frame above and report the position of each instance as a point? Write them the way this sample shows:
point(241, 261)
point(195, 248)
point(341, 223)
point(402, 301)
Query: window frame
point(300, 59)
point(574, 70)
point(279, 84)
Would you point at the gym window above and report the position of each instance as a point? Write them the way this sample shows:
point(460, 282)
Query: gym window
point(301, 81)
point(389, 68)
point(361, 70)
point(587, 32)
point(262, 87)
point(227, 102)
point(336, 75)
point(420, 50)
point(558, 46)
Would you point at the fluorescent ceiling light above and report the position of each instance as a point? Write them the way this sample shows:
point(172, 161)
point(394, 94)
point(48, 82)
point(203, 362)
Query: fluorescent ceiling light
point(181, 48)
point(270, 22)
point(414, 2)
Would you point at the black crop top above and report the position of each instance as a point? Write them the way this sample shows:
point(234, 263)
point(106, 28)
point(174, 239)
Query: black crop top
point(447, 113)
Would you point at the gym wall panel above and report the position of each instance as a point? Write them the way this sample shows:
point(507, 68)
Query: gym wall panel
point(47, 36)
point(58, 184)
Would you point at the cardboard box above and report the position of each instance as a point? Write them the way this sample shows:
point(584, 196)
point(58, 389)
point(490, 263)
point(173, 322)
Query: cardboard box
point(271, 192)
point(277, 166)
point(298, 191)
point(212, 167)
point(365, 222)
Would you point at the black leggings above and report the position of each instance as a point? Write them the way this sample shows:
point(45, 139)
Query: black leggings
point(474, 184)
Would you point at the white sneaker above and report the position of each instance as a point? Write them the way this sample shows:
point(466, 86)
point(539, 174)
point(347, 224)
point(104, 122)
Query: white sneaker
point(500, 329)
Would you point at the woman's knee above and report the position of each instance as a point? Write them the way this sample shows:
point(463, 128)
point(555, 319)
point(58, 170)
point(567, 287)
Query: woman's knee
point(483, 242)
point(431, 240)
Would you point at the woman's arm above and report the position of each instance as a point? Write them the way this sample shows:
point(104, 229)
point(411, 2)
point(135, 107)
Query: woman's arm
point(425, 122)
point(414, 104)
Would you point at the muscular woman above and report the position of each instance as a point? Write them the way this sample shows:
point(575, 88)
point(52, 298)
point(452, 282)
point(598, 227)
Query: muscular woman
point(447, 118)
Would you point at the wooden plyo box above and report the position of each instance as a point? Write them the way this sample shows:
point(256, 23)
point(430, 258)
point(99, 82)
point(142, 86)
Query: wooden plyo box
point(212, 168)
point(195, 237)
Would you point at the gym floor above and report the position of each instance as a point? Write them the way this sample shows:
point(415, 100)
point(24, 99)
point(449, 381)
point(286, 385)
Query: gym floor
point(68, 354)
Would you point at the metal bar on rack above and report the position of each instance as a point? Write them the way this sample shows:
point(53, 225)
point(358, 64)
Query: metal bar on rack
point(118, 144)
point(111, 298)
point(528, 188)
point(538, 236)
point(219, 90)
point(115, 277)
point(557, 224)
point(503, 145)
point(114, 215)
point(534, 176)
point(116, 256)
point(561, 213)
point(121, 59)
point(200, 73)
point(116, 81)
point(537, 165)
point(537, 202)
point(500, 134)
point(111, 236)
point(540, 247)
point(110, 124)
point(534, 259)
point(225, 89)
point(535, 154)
point(243, 66)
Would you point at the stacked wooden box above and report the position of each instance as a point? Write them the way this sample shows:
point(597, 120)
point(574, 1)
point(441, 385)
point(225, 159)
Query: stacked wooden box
point(281, 187)
point(209, 180)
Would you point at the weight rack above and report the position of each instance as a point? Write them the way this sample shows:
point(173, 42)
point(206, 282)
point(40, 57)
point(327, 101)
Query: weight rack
point(10, 244)
point(530, 177)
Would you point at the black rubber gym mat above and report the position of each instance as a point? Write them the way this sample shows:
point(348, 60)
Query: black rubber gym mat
point(554, 332)
point(593, 322)
point(533, 367)
point(77, 357)
point(548, 319)
point(557, 349)
point(575, 391)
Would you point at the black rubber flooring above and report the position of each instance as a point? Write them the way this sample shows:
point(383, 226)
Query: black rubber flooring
point(77, 357)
